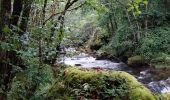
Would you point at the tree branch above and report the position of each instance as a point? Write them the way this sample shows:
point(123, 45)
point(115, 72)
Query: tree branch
point(62, 12)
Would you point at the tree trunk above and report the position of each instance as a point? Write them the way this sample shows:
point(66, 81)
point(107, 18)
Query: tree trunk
point(17, 8)
point(5, 68)
point(44, 11)
point(111, 23)
point(5, 13)
point(25, 16)
point(61, 20)
point(166, 5)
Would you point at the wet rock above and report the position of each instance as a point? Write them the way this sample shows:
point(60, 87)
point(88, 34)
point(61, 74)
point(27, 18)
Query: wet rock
point(160, 73)
point(168, 80)
point(95, 47)
point(77, 64)
point(141, 77)
point(136, 61)
point(143, 72)
point(159, 86)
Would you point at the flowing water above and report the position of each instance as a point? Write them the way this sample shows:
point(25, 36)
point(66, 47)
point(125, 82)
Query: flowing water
point(144, 75)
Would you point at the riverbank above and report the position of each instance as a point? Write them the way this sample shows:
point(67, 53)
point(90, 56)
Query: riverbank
point(82, 83)
point(157, 80)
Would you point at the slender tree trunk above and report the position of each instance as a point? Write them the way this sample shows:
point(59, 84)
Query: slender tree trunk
point(146, 19)
point(41, 40)
point(111, 23)
point(5, 68)
point(44, 11)
point(17, 8)
point(108, 27)
point(25, 16)
point(5, 13)
point(166, 5)
point(138, 35)
point(130, 23)
point(113, 19)
point(61, 19)
point(115, 22)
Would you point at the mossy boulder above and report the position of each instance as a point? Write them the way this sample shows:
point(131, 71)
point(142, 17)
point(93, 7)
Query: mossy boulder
point(165, 96)
point(136, 61)
point(161, 60)
point(80, 84)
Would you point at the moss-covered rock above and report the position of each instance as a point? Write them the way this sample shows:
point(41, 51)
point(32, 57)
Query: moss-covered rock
point(165, 96)
point(161, 57)
point(80, 84)
point(161, 60)
point(136, 61)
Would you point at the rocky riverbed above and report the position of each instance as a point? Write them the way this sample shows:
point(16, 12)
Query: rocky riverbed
point(157, 81)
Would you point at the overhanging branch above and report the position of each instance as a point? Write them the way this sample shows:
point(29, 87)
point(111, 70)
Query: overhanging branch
point(63, 12)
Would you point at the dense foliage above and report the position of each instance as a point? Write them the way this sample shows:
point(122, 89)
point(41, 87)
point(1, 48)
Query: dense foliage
point(34, 33)
point(128, 27)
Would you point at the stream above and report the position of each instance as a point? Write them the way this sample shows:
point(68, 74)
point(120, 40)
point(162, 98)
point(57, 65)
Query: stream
point(151, 80)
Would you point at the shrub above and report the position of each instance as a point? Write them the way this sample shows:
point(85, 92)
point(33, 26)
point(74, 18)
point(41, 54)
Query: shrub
point(156, 41)
point(31, 83)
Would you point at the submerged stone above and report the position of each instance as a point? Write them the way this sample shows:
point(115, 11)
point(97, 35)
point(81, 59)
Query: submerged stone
point(77, 64)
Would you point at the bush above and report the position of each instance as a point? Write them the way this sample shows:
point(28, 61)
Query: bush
point(31, 83)
point(161, 58)
point(156, 41)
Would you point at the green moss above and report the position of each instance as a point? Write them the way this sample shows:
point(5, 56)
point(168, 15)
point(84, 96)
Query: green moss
point(159, 66)
point(165, 96)
point(91, 84)
point(137, 91)
point(135, 60)
point(161, 60)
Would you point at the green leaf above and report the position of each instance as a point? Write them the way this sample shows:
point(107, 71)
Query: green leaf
point(145, 2)
point(5, 46)
point(130, 8)
point(6, 29)
point(137, 1)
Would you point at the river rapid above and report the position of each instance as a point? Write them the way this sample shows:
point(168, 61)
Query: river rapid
point(150, 79)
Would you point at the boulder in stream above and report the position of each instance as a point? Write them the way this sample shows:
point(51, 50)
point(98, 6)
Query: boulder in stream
point(81, 84)
point(136, 61)
point(77, 64)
